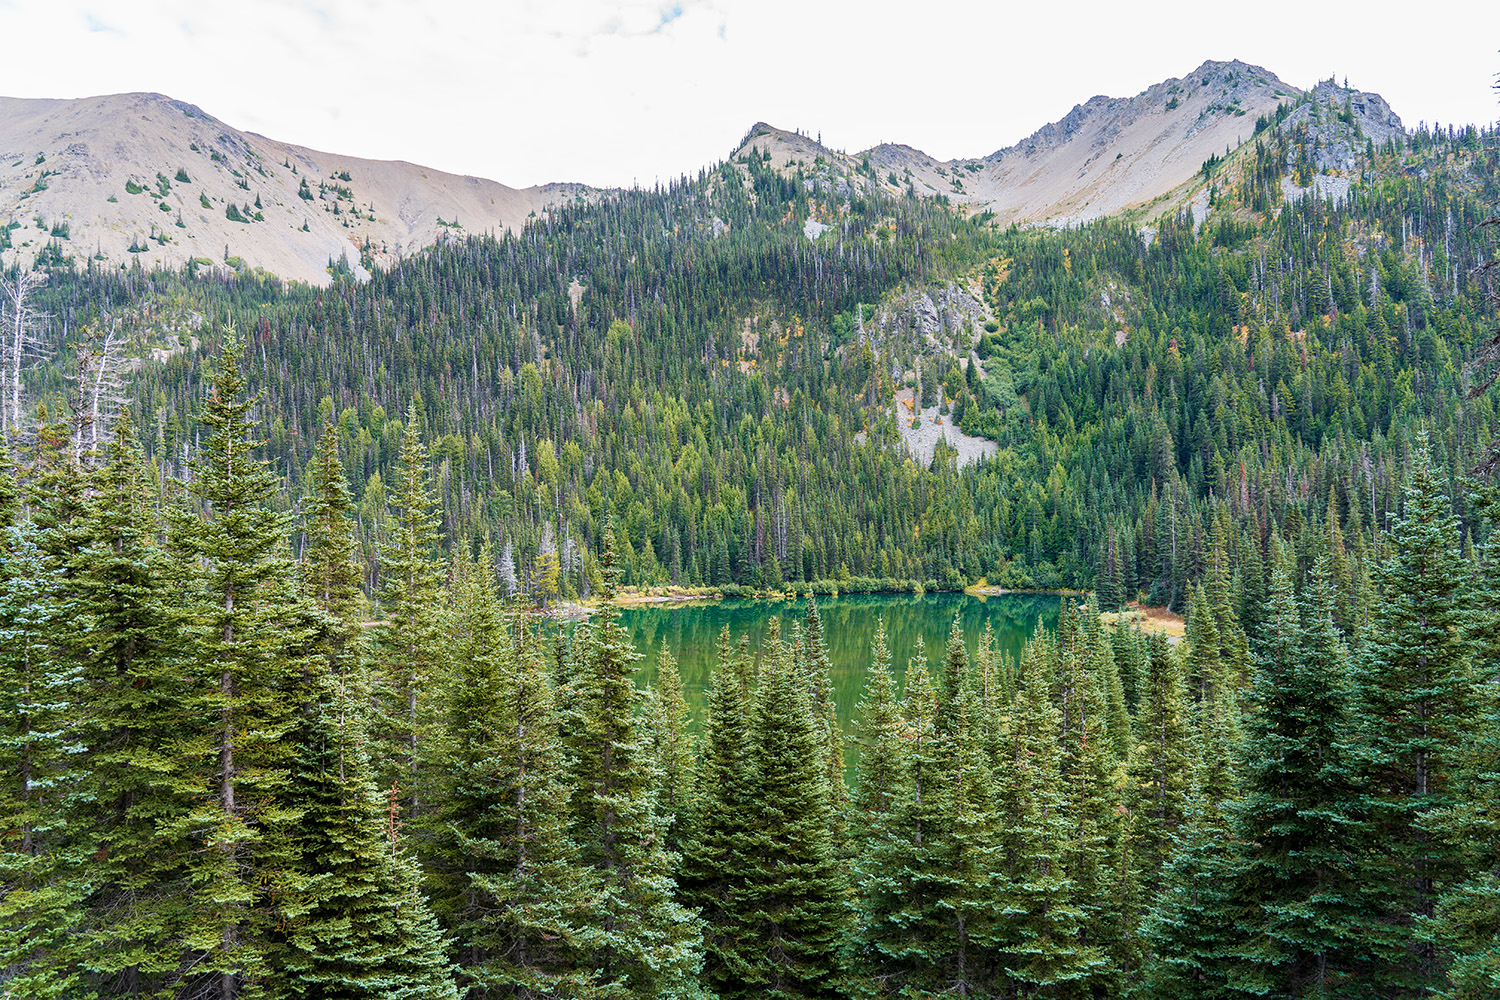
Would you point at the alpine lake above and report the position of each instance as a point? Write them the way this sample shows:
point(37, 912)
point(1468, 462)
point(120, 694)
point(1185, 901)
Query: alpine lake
point(690, 631)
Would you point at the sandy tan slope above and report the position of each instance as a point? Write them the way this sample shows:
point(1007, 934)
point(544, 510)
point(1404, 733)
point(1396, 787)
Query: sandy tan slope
point(70, 167)
point(1105, 156)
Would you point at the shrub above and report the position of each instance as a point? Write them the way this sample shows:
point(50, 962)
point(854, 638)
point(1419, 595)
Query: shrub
point(131, 187)
point(182, 176)
point(232, 213)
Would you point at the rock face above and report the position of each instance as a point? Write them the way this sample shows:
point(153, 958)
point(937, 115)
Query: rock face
point(1338, 122)
point(143, 177)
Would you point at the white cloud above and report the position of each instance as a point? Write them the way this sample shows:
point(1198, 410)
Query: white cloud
point(527, 91)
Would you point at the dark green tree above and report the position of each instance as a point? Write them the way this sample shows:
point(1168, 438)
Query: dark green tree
point(231, 542)
point(1415, 709)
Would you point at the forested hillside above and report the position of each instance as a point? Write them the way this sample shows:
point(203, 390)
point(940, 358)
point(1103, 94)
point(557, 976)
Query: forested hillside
point(689, 362)
point(279, 719)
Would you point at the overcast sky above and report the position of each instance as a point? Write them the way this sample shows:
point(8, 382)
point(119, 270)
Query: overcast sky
point(528, 91)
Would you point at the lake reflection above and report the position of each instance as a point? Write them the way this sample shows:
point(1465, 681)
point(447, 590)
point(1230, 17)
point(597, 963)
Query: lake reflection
point(691, 632)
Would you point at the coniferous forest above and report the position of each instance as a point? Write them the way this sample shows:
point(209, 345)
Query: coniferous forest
point(284, 717)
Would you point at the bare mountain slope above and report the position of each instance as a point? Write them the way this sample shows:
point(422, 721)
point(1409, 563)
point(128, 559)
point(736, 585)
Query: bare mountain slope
point(103, 177)
point(1105, 156)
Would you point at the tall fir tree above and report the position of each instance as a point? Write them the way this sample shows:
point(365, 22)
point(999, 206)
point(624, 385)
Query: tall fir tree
point(412, 625)
point(1294, 826)
point(42, 879)
point(1467, 924)
point(136, 796)
point(793, 905)
point(640, 942)
point(1162, 765)
point(356, 928)
point(231, 543)
point(501, 867)
point(1415, 709)
point(672, 745)
point(1042, 918)
point(903, 878)
point(717, 849)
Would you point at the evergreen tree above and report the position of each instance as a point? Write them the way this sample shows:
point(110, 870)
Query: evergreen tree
point(1041, 946)
point(717, 851)
point(330, 573)
point(1193, 929)
point(410, 634)
point(356, 925)
point(136, 796)
point(793, 905)
point(639, 940)
point(1162, 766)
point(1415, 709)
point(1089, 762)
point(820, 677)
point(969, 854)
point(672, 745)
point(1468, 912)
point(41, 879)
point(902, 874)
point(501, 867)
point(231, 544)
point(1294, 824)
point(878, 735)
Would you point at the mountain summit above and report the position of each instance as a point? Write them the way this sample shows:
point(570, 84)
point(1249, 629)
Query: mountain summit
point(1107, 155)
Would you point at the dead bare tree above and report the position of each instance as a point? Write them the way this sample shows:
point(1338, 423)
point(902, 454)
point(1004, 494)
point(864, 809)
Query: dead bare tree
point(19, 343)
point(1484, 369)
point(99, 371)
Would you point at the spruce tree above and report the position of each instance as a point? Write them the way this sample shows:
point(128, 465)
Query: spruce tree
point(1162, 765)
point(137, 796)
point(1041, 947)
point(1089, 756)
point(902, 874)
point(1468, 912)
point(41, 878)
point(717, 850)
point(1294, 825)
point(231, 544)
point(331, 574)
point(1193, 929)
point(878, 736)
point(639, 941)
point(411, 628)
point(356, 926)
point(793, 905)
point(672, 746)
point(969, 853)
point(501, 867)
point(1415, 709)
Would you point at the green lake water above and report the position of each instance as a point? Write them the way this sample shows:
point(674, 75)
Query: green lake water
point(691, 632)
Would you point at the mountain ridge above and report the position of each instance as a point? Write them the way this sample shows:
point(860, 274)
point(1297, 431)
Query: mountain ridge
point(100, 177)
point(88, 178)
